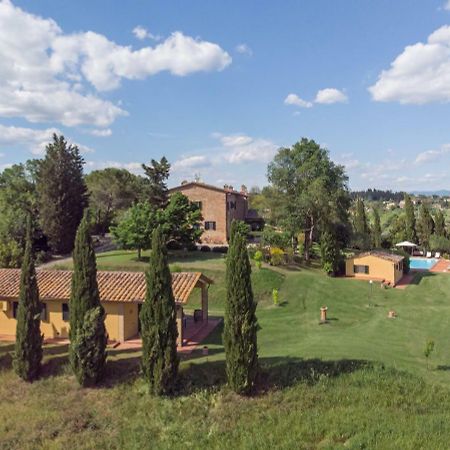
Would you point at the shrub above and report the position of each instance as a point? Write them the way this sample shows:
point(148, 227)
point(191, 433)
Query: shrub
point(10, 254)
point(276, 256)
point(258, 257)
point(274, 238)
point(43, 257)
point(275, 296)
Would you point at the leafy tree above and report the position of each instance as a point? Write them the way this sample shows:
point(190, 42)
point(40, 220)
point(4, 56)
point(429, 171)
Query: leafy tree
point(330, 253)
point(439, 224)
point(376, 230)
point(158, 322)
point(28, 346)
point(156, 184)
point(240, 340)
point(410, 220)
point(361, 226)
point(311, 190)
point(425, 226)
point(88, 336)
point(111, 191)
point(62, 193)
point(398, 228)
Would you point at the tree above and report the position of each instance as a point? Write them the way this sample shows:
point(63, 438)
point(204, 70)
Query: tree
point(62, 193)
point(410, 220)
point(240, 328)
point(158, 322)
point(376, 230)
point(88, 338)
point(425, 226)
point(330, 253)
point(439, 225)
point(361, 226)
point(156, 186)
point(111, 191)
point(28, 346)
point(311, 190)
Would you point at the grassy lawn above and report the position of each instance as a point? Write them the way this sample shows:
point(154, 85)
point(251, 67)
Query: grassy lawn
point(360, 381)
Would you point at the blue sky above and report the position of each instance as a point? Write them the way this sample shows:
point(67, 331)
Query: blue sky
point(218, 86)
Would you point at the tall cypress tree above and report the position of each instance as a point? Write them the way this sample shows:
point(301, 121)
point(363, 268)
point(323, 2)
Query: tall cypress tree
point(88, 336)
point(240, 332)
point(410, 220)
point(439, 224)
point(361, 226)
point(158, 322)
point(376, 231)
point(28, 347)
point(62, 193)
point(425, 226)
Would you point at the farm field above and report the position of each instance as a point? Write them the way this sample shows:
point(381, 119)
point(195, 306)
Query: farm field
point(360, 381)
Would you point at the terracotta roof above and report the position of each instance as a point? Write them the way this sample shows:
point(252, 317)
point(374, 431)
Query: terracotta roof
point(379, 254)
point(206, 186)
point(113, 286)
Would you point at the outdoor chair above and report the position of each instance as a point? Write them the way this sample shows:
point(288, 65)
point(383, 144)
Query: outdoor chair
point(428, 254)
point(437, 255)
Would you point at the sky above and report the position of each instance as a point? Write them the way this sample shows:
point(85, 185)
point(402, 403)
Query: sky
point(217, 87)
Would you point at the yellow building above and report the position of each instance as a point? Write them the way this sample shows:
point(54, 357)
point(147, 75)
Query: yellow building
point(375, 265)
point(121, 294)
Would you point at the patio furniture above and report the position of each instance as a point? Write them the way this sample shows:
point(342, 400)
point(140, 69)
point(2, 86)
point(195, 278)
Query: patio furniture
point(437, 255)
point(428, 254)
point(198, 315)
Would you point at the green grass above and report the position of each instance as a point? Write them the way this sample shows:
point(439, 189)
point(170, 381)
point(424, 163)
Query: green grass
point(360, 381)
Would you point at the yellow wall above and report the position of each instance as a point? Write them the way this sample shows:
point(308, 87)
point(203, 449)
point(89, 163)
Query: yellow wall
point(55, 327)
point(379, 269)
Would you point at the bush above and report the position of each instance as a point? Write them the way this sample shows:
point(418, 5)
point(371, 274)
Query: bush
point(274, 238)
point(174, 245)
point(258, 257)
point(205, 248)
point(10, 254)
point(276, 256)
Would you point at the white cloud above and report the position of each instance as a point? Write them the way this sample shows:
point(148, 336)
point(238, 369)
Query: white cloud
point(244, 49)
point(329, 96)
point(142, 33)
point(34, 140)
point(235, 140)
point(190, 162)
point(294, 99)
point(420, 74)
point(242, 148)
point(45, 73)
point(432, 155)
point(105, 132)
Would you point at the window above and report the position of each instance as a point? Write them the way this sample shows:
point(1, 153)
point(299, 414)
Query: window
point(361, 269)
point(210, 225)
point(65, 312)
point(15, 307)
point(44, 312)
point(199, 204)
point(231, 205)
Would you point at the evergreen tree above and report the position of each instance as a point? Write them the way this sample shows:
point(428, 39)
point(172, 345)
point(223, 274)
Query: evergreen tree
point(88, 336)
point(410, 220)
point(376, 231)
point(330, 253)
point(439, 225)
point(361, 226)
point(158, 322)
point(425, 226)
point(240, 340)
point(156, 186)
point(28, 346)
point(62, 193)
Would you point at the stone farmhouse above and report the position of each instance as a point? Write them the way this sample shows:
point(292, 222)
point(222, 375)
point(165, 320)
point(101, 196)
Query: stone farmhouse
point(219, 207)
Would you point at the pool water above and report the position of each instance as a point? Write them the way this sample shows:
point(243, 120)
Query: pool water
point(422, 263)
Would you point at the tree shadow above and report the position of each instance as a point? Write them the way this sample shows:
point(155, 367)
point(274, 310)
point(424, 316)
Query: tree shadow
point(443, 367)
point(419, 275)
point(7, 348)
point(6, 361)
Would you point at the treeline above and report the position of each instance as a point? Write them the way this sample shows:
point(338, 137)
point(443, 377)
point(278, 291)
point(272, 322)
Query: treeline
point(55, 192)
point(378, 195)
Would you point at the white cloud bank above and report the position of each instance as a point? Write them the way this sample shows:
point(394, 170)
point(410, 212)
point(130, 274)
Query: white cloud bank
point(49, 76)
point(420, 74)
point(432, 155)
point(325, 96)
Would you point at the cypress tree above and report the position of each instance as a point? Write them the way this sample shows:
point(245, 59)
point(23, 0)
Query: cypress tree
point(28, 347)
point(158, 322)
point(62, 193)
point(88, 336)
point(410, 220)
point(240, 328)
point(330, 253)
point(376, 232)
point(425, 226)
point(439, 225)
point(361, 226)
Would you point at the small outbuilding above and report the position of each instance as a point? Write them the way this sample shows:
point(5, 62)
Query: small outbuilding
point(375, 265)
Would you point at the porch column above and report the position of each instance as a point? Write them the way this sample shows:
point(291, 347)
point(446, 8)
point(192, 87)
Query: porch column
point(205, 304)
point(179, 310)
point(121, 319)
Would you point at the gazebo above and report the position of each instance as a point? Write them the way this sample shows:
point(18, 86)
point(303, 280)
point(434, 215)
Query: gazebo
point(407, 246)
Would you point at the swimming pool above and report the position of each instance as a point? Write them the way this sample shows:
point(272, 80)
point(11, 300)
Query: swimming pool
point(422, 263)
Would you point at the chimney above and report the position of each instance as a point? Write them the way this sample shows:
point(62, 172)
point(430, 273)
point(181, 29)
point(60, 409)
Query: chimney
point(244, 189)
